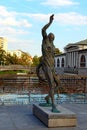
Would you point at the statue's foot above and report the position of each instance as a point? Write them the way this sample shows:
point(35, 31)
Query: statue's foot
point(54, 109)
point(45, 104)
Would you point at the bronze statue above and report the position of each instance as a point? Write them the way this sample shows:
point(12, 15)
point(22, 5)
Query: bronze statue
point(47, 62)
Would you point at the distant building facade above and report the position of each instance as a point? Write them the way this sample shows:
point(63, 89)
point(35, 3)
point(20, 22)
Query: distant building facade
point(18, 53)
point(73, 60)
point(3, 43)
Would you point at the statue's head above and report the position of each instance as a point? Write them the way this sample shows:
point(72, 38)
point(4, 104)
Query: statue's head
point(51, 36)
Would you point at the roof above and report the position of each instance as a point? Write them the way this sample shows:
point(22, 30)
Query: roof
point(62, 54)
point(76, 45)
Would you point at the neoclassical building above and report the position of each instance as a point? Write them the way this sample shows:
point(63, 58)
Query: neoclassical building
point(73, 60)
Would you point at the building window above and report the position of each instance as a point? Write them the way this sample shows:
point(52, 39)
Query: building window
point(58, 63)
point(62, 63)
point(82, 61)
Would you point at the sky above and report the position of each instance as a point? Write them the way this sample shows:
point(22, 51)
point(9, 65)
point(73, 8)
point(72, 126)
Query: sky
point(21, 22)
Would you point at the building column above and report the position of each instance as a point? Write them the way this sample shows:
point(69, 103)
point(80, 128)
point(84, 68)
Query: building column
point(77, 62)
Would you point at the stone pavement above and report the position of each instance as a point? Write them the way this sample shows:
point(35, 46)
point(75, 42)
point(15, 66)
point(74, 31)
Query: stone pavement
point(20, 117)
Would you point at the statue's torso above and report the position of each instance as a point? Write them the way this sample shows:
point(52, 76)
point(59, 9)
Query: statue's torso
point(48, 50)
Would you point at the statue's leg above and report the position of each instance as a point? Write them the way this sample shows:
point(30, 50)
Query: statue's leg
point(57, 82)
point(52, 90)
point(50, 79)
point(52, 98)
point(51, 82)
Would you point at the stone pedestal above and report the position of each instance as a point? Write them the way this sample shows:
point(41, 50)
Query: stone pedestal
point(65, 118)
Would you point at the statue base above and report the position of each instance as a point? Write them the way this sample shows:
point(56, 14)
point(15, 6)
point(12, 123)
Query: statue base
point(65, 118)
point(49, 105)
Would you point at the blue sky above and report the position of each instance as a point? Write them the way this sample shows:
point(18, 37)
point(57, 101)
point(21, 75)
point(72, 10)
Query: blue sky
point(21, 22)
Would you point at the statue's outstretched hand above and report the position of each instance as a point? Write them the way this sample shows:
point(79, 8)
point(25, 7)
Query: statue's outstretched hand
point(51, 17)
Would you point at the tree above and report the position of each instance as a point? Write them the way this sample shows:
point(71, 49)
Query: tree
point(35, 60)
point(25, 59)
point(2, 56)
point(57, 51)
point(11, 59)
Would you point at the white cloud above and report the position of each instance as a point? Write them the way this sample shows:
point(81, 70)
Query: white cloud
point(11, 19)
point(29, 0)
point(71, 18)
point(59, 2)
point(4, 12)
point(39, 17)
point(16, 43)
point(20, 41)
point(12, 32)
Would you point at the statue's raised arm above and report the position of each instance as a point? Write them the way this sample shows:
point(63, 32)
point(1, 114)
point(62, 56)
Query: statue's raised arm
point(44, 34)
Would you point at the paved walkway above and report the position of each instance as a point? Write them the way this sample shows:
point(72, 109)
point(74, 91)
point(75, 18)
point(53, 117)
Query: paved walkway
point(21, 118)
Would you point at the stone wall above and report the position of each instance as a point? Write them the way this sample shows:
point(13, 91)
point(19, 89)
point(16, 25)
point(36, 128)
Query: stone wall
point(28, 83)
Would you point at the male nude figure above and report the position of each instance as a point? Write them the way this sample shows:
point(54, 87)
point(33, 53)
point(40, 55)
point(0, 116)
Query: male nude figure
point(47, 62)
